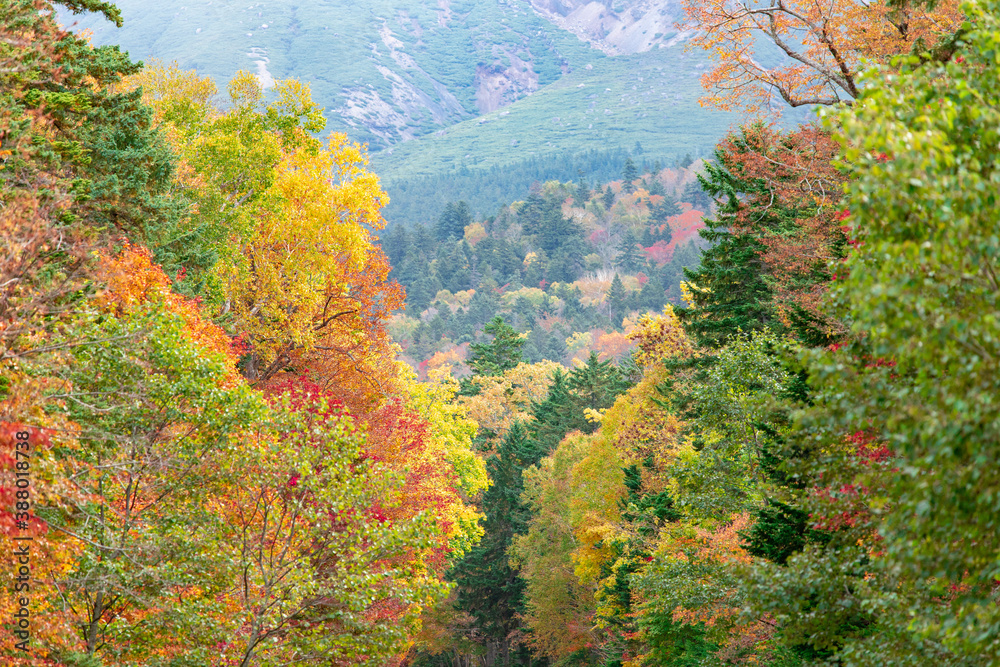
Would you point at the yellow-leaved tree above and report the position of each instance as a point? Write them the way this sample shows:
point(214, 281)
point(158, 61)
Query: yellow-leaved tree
point(502, 400)
point(287, 224)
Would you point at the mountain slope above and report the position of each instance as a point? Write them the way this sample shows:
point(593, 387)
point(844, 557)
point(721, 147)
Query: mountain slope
point(443, 91)
point(643, 105)
point(649, 97)
point(385, 70)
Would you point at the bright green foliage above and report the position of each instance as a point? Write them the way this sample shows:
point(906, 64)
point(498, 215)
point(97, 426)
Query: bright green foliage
point(907, 411)
point(501, 354)
point(156, 425)
point(923, 290)
point(314, 561)
point(727, 402)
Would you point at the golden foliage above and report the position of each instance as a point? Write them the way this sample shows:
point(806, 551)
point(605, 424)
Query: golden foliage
point(301, 247)
point(475, 233)
point(659, 337)
point(559, 609)
point(505, 399)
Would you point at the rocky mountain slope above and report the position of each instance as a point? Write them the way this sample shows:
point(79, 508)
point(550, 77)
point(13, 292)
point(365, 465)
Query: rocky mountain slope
point(387, 71)
point(616, 28)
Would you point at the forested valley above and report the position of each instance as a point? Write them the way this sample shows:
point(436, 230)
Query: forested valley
point(737, 410)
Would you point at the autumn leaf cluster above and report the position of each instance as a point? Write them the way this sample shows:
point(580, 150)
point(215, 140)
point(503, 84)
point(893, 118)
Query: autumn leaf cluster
point(228, 467)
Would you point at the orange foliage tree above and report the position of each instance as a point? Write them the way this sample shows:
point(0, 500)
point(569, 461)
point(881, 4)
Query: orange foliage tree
point(795, 171)
point(824, 45)
point(177, 517)
point(137, 421)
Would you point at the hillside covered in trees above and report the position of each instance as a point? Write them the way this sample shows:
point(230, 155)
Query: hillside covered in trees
point(568, 267)
point(737, 411)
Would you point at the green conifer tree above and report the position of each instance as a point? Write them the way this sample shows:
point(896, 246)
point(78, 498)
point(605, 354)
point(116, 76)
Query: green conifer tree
point(489, 589)
point(453, 221)
point(582, 194)
point(608, 197)
point(556, 416)
point(732, 290)
point(651, 296)
point(500, 354)
point(629, 173)
point(629, 257)
point(616, 299)
point(660, 211)
point(595, 385)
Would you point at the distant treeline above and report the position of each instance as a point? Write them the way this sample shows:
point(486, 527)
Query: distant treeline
point(423, 199)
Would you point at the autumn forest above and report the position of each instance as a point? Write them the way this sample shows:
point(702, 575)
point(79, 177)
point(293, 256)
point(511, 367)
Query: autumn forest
point(674, 411)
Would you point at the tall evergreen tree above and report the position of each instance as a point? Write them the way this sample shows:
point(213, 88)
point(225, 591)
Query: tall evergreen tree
point(629, 257)
point(652, 297)
point(629, 173)
point(500, 354)
point(660, 211)
point(696, 194)
point(616, 300)
point(731, 291)
point(395, 244)
point(453, 221)
point(582, 194)
point(423, 241)
point(489, 589)
point(556, 416)
point(595, 385)
point(608, 197)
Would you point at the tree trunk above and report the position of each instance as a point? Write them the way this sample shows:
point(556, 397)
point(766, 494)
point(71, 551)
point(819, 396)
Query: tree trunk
point(95, 620)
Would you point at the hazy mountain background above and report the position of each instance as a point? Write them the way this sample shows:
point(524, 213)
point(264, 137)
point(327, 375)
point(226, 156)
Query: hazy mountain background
point(457, 99)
